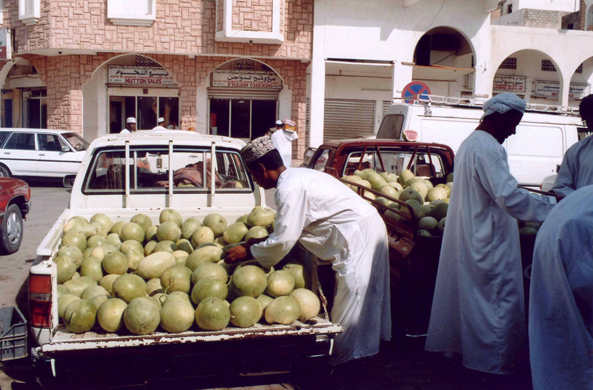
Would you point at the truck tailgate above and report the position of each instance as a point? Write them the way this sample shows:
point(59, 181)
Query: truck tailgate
point(63, 340)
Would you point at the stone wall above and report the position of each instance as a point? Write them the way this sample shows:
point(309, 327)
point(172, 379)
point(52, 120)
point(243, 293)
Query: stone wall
point(543, 19)
point(253, 15)
point(64, 77)
point(574, 19)
point(181, 27)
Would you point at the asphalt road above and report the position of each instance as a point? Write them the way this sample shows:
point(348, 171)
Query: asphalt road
point(401, 364)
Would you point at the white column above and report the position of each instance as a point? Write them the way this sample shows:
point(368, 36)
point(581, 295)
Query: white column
point(564, 95)
point(202, 110)
point(285, 104)
point(317, 87)
point(401, 76)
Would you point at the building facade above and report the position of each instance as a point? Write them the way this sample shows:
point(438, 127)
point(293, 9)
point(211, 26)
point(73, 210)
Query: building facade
point(218, 67)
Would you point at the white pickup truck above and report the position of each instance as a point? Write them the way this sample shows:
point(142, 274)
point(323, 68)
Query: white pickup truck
point(123, 175)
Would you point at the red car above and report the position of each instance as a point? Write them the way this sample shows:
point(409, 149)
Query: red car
point(15, 202)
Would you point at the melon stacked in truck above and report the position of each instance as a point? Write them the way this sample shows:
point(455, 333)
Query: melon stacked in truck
point(428, 201)
point(137, 277)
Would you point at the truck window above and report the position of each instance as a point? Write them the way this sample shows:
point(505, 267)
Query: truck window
point(396, 161)
point(149, 171)
point(321, 161)
point(391, 127)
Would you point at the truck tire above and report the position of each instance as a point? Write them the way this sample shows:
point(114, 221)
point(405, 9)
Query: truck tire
point(11, 230)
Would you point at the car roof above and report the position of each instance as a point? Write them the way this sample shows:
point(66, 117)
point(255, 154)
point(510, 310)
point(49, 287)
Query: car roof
point(380, 142)
point(179, 137)
point(49, 131)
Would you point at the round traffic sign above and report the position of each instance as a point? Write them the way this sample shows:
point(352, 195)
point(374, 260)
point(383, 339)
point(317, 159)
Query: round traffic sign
point(415, 89)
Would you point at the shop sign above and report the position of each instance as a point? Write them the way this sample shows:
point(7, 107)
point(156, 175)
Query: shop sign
point(548, 89)
point(139, 75)
point(245, 79)
point(5, 44)
point(509, 83)
point(579, 91)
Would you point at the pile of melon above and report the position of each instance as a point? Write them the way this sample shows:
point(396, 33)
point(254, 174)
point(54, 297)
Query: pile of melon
point(429, 202)
point(139, 278)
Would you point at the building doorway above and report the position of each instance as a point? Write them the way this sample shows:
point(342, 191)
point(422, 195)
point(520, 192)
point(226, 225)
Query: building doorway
point(242, 118)
point(146, 110)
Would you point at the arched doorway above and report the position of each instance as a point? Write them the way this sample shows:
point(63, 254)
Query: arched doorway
point(532, 75)
point(129, 86)
point(444, 59)
point(24, 96)
point(243, 96)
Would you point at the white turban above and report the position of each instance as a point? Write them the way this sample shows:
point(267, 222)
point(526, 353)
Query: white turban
point(502, 103)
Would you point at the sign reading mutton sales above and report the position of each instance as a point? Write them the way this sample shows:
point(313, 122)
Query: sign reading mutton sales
point(509, 83)
point(548, 89)
point(139, 75)
point(5, 44)
point(245, 79)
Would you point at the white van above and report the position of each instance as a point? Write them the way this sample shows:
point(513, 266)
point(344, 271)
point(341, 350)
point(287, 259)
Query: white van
point(534, 151)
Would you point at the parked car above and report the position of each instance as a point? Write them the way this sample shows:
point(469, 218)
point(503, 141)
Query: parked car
point(15, 203)
point(40, 152)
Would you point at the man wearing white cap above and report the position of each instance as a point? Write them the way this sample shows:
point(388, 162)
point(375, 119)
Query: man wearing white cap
point(130, 126)
point(478, 308)
point(337, 225)
point(282, 140)
point(159, 125)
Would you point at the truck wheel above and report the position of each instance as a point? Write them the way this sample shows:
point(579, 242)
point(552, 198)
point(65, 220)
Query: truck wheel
point(12, 230)
point(4, 172)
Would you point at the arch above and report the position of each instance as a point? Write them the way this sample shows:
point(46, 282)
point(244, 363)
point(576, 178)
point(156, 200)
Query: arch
point(445, 46)
point(115, 57)
point(541, 55)
point(250, 58)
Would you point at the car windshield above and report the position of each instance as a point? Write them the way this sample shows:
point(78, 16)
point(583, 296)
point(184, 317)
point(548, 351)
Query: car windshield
point(77, 142)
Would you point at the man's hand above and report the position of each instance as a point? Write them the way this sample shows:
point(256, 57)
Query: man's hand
point(236, 254)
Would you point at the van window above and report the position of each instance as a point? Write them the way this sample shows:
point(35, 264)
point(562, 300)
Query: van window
point(3, 136)
point(149, 171)
point(391, 127)
point(321, 161)
point(21, 141)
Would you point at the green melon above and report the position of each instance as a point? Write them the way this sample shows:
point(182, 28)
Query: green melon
point(110, 315)
point(98, 300)
point(107, 282)
point(184, 245)
point(428, 223)
point(115, 263)
point(180, 257)
point(202, 236)
point(170, 215)
point(154, 286)
point(142, 220)
point(439, 211)
point(441, 226)
point(280, 283)
point(63, 301)
point(203, 255)
point(177, 316)
point(129, 287)
point(100, 252)
point(437, 193)
point(79, 316)
point(283, 310)
point(176, 278)
point(411, 194)
point(421, 188)
point(74, 253)
point(301, 279)
point(209, 288)
point(245, 312)
point(95, 241)
point(116, 228)
point(213, 314)
point(132, 231)
point(209, 271)
point(149, 247)
point(256, 232)
point(134, 258)
point(249, 281)
point(168, 231)
point(76, 239)
point(189, 226)
point(260, 216)
point(93, 291)
point(130, 245)
point(405, 176)
point(264, 301)
point(142, 316)
point(165, 246)
point(308, 301)
point(66, 268)
point(103, 220)
point(216, 223)
point(152, 266)
point(235, 232)
point(92, 267)
point(151, 233)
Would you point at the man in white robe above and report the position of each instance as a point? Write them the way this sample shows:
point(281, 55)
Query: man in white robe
point(282, 140)
point(576, 170)
point(478, 306)
point(160, 125)
point(561, 291)
point(130, 126)
point(335, 224)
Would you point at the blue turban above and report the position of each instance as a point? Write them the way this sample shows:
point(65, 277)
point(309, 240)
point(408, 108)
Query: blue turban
point(502, 103)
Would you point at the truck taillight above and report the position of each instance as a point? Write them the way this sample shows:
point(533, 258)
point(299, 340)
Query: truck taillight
point(40, 300)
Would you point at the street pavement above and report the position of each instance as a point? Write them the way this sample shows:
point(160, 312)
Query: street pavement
point(401, 364)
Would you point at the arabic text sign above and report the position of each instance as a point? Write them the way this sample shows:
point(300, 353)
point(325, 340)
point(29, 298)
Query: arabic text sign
point(139, 75)
point(510, 83)
point(551, 89)
point(245, 79)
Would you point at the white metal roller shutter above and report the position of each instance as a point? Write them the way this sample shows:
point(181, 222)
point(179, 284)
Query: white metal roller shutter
point(243, 93)
point(345, 118)
point(386, 105)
